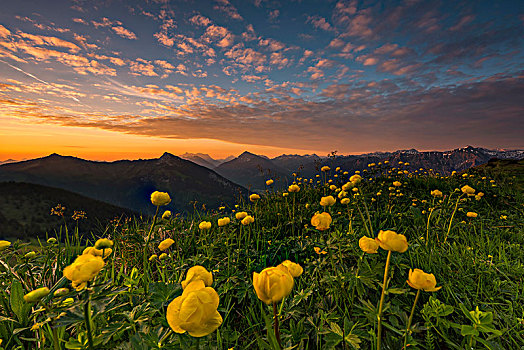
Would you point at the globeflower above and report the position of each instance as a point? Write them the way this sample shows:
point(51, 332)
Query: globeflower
point(294, 269)
point(347, 186)
point(198, 273)
point(327, 201)
point(319, 251)
point(390, 240)
point(344, 201)
point(293, 188)
point(166, 215)
point(195, 311)
point(418, 279)
point(224, 221)
point(165, 244)
point(273, 284)
point(467, 190)
point(436, 193)
point(83, 269)
point(247, 220)
point(204, 225)
point(368, 245)
point(254, 197)
point(471, 214)
point(355, 179)
point(321, 221)
point(103, 243)
point(397, 183)
point(269, 182)
point(342, 194)
point(160, 198)
point(240, 215)
point(325, 168)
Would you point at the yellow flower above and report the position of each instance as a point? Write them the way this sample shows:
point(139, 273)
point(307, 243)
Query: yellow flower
point(51, 240)
point(319, 251)
point(247, 220)
point(163, 256)
point(166, 215)
point(97, 252)
point(195, 311)
point(204, 225)
point(418, 279)
point(273, 284)
point(103, 243)
point(269, 182)
point(368, 245)
point(355, 179)
point(153, 257)
point(254, 197)
point(83, 269)
point(503, 217)
point(285, 194)
point(337, 168)
point(327, 201)
point(397, 183)
point(471, 214)
point(347, 186)
point(390, 240)
point(467, 190)
point(295, 269)
point(342, 194)
point(165, 244)
point(36, 295)
point(240, 215)
point(293, 188)
point(160, 198)
point(325, 168)
point(224, 221)
point(436, 193)
point(321, 221)
point(344, 201)
point(198, 273)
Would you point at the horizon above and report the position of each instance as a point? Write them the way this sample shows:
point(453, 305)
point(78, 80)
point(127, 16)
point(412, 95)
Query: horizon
point(128, 80)
point(258, 154)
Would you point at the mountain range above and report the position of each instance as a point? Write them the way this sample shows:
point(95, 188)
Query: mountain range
point(192, 180)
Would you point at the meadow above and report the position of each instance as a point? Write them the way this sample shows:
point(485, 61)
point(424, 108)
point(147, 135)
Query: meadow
point(441, 266)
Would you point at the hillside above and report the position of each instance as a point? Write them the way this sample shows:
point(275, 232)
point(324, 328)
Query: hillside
point(25, 210)
point(128, 183)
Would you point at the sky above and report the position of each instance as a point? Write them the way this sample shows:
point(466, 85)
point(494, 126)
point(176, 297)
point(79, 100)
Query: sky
point(113, 79)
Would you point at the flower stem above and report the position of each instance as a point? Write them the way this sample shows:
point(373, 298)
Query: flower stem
point(146, 246)
point(451, 221)
point(87, 319)
point(382, 297)
point(411, 318)
point(277, 331)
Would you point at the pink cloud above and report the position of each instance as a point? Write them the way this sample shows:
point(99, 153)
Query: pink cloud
point(200, 20)
point(320, 22)
point(124, 33)
point(4, 32)
point(463, 21)
point(226, 7)
point(50, 41)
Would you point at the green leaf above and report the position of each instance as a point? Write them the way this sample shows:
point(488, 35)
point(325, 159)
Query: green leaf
point(468, 330)
point(17, 301)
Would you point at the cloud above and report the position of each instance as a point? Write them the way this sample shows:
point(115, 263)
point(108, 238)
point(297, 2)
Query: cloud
point(320, 22)
point(4, 32)
point(463, 21)
point(142, 67)
point(124, 33)
point(226, 7)
point(273, 15)
point(200, 20)
point(50, 41)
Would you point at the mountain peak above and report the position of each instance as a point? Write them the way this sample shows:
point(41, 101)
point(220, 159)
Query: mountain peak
point(167, 155)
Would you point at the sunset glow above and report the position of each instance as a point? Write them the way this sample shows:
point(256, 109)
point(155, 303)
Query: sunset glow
point(108, 80)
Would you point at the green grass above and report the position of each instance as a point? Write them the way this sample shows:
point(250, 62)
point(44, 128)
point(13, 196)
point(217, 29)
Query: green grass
point(334, 303)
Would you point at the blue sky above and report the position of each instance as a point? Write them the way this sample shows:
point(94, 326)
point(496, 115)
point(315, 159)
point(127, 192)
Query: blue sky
point(300, 76)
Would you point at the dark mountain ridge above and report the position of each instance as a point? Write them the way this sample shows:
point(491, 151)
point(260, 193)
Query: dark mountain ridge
point(128, 183)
